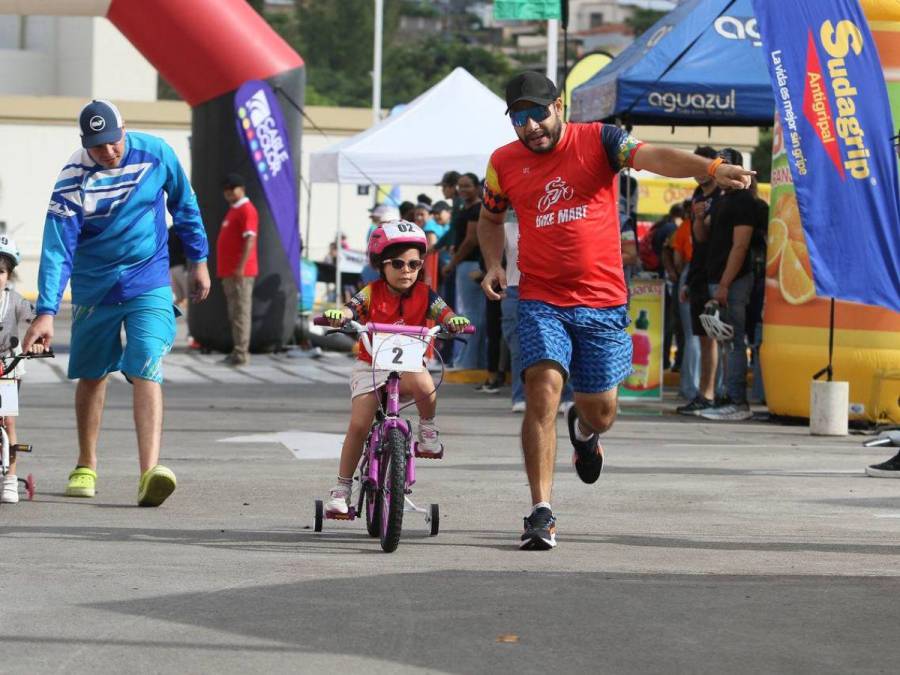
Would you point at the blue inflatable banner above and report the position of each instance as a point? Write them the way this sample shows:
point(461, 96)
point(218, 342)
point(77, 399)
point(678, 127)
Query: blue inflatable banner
point(263, 133)
point(832, 98)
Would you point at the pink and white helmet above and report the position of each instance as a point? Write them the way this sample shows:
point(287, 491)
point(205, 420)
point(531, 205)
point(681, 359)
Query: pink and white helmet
point(396, 232)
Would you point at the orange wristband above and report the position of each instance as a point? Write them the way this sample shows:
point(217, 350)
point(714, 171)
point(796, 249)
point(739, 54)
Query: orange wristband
point(711, 169)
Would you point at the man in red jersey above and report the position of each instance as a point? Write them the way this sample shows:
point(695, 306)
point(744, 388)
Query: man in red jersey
point(236, 264)
point(572, 317)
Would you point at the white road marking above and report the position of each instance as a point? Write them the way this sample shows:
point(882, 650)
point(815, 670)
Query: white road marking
point(303, 444)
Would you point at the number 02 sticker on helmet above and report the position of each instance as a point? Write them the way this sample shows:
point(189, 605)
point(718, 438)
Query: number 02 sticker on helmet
point(396, 232)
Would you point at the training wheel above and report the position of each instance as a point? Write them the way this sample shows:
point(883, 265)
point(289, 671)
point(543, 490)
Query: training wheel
point(320, 510)
point(435, 519)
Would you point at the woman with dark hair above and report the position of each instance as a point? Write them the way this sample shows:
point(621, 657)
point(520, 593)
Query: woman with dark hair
point(470, 299)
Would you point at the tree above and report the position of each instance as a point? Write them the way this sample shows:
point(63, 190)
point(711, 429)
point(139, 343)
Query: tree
point(642, 19)
point(335, 40)
point(410, 70)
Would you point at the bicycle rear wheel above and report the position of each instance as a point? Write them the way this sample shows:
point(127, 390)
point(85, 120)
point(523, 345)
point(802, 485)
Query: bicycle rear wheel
point(393, 489)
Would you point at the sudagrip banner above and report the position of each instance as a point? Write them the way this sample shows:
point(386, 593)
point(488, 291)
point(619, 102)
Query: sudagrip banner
point(263, 133)
point(836, 118)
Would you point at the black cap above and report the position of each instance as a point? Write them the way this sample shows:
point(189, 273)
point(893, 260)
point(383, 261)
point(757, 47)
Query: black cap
point(440, 206)
point(732, 156)
point(450, 178)
point(530, 86)
point(233, 180)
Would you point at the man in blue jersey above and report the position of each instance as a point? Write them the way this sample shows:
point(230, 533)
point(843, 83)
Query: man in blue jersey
point(106, 229)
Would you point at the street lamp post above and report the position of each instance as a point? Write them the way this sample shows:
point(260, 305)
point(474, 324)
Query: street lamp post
point(376, 62)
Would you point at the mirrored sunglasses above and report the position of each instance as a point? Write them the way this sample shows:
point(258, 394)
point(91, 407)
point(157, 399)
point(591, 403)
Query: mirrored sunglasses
point(538, 113)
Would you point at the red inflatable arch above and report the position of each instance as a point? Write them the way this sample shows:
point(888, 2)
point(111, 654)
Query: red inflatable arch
point(206, 49)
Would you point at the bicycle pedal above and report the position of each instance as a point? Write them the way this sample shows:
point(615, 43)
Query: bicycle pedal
point(422, 454)
point(338, 516)
point(20, 447)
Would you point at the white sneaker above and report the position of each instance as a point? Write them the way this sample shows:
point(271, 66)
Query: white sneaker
point(10, 490)
point(564, 407)
point(429, 437)
point(518, 407)
point(339, 499)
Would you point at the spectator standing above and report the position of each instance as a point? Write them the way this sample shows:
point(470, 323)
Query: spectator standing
point(758, 294)
point(470, 299)
point(706, 194)
point(682, 251)
point(448, 185)
point(236, 264)
point(730, 280)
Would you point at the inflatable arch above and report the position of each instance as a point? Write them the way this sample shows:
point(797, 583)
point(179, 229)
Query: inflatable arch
point(206, 49)
point(795, 326)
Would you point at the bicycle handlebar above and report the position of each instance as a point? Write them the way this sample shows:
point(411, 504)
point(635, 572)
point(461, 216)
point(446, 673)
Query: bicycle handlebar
point(9, 366)
point(354, 327)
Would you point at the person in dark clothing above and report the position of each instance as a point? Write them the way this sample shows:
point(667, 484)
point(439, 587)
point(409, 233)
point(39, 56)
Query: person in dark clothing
point(732, 220)
point(465, 265)
point(697, 287)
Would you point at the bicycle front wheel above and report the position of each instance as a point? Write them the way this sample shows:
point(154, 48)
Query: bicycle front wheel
point(393, 490)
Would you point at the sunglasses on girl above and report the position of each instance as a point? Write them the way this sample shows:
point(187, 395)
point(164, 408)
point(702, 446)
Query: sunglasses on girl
point(538, 113)
point(398, 264)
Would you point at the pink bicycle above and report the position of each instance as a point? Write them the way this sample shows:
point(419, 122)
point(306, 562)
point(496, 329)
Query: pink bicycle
point(387, 471)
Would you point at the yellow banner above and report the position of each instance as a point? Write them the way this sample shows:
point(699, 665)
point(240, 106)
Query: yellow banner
point(657, 195)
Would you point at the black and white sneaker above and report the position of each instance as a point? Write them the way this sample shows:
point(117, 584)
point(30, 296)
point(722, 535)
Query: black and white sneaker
point(733, 412)
point(488, 387)
point(888, 469)
point(588, 454)
point(695, 407)
point(540, 531)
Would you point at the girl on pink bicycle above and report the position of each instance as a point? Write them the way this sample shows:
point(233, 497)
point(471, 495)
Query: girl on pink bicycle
point(396, 249)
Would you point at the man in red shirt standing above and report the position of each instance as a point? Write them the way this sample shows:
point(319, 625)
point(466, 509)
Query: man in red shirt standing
point(236, 264)
point(559, 179)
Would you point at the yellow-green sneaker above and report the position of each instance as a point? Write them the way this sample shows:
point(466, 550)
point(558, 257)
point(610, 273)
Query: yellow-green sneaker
point(82, 482)
point(155, 486)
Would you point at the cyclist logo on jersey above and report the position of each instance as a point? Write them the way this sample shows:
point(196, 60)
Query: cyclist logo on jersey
point(555, 190)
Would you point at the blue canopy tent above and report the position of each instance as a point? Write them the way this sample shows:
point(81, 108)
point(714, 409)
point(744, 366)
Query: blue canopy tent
point(701, 64)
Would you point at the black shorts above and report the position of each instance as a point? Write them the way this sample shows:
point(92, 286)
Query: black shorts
point(698, 295)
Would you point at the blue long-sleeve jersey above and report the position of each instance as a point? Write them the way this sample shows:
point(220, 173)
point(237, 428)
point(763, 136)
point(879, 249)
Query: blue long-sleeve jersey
point(106, 228)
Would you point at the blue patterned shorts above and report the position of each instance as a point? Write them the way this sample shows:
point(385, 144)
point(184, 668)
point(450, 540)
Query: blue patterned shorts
point(590, 344)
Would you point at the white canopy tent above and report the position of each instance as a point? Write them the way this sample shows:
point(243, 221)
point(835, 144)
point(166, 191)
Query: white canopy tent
point(456, 125)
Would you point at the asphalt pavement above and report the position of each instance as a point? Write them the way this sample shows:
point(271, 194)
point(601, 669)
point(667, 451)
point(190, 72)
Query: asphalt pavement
point(704, 547)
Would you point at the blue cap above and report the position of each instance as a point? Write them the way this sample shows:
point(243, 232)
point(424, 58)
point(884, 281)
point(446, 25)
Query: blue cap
point(100, 123)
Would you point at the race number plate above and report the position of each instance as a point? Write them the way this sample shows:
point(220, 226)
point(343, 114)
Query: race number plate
point(9, 398)
point(403, 353)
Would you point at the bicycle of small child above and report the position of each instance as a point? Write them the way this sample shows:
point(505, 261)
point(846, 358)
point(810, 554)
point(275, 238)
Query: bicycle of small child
point(9, 406)
point(387, 471)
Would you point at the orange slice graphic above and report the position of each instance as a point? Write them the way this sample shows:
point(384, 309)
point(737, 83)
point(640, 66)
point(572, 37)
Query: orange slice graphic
point(795, 274)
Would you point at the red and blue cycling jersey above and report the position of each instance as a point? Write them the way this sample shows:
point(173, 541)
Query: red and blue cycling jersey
point(569, 242)
point(378, 303)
